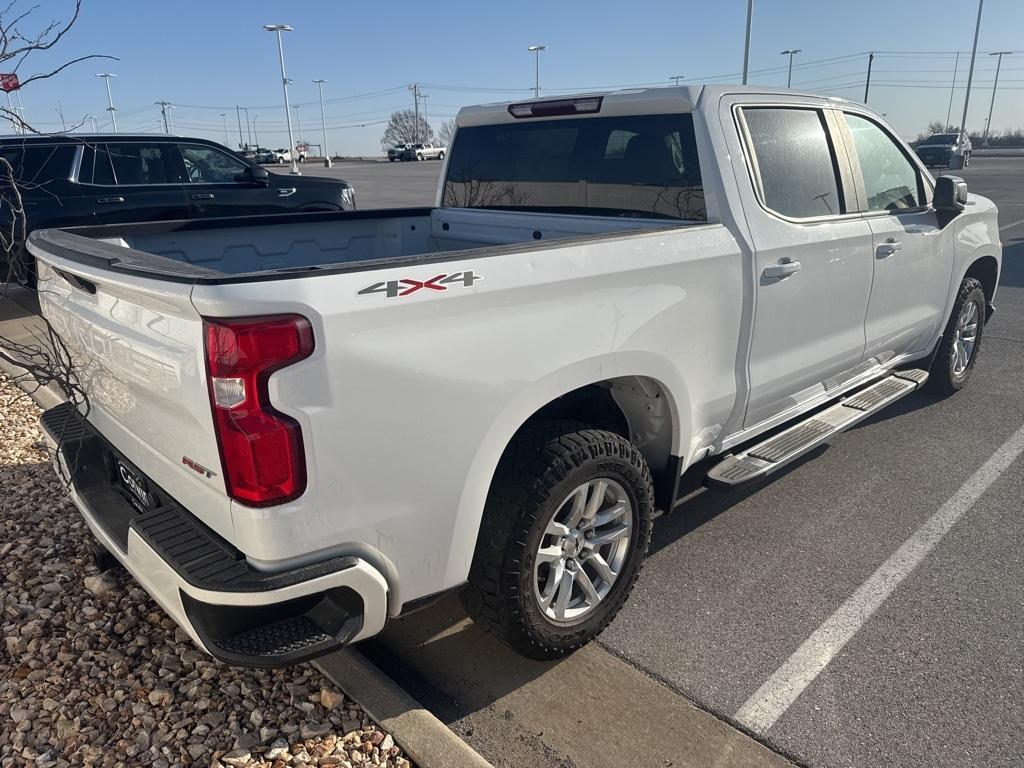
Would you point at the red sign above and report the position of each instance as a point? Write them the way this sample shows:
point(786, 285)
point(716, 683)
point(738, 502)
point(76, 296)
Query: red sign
point(9, 81)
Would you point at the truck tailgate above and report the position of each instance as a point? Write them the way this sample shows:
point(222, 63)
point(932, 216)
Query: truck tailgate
point(137, 344)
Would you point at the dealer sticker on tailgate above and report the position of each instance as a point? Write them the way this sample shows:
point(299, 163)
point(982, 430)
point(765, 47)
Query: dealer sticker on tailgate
point(135, 488)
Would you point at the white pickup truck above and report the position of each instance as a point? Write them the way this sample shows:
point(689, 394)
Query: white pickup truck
point(300, 426)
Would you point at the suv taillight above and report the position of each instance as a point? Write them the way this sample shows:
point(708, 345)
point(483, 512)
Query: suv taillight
point(260, 449)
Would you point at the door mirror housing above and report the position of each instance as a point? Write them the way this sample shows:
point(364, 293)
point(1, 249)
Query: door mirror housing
point(255, 174)
point(950, 195)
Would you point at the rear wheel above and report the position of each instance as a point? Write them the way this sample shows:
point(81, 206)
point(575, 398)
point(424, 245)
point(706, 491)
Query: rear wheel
point(961, 341)
point(565, 529)
point(440, 155)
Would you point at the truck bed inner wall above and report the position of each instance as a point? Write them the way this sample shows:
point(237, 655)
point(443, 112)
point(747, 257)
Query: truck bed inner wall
point(271, 246)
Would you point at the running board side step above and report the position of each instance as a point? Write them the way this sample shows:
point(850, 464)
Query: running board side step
point(778, 451)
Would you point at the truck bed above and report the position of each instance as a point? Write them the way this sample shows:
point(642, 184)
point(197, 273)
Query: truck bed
point(260, 247)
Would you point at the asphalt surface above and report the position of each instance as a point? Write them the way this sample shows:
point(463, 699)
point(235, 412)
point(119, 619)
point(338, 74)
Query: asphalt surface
point(736, 582)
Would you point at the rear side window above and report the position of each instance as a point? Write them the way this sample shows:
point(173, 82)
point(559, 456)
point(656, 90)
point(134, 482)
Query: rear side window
point(890, 179)
point(97, 167)
point(37, 165)
point(642, 166)
point(146, 163)
point(794, 161)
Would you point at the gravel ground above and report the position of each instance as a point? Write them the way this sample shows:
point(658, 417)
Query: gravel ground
point(93, 673)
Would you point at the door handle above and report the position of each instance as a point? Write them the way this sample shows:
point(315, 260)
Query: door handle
point(782, 270)
point(888, 248)
point(110, 200)
point(203, 196)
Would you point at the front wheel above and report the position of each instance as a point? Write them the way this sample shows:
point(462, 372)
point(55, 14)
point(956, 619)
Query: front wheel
point(961, 341)
point(565, 530)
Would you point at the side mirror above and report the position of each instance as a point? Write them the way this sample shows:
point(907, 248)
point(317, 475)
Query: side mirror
point(255, 174)
point(950, 195)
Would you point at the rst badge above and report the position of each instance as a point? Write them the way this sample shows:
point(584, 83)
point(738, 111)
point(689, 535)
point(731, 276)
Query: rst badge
point(408, 286)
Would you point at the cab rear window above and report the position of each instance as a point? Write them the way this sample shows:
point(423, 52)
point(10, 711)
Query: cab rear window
point(642, 166)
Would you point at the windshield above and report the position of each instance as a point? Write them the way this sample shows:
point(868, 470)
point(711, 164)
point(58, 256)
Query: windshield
point(636, 165)
point(941, 138)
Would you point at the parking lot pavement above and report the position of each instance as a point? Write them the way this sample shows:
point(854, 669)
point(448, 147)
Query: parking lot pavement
point(382, 184)
point(736, 583)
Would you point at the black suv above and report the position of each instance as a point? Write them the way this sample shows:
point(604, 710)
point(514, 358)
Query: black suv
point(115, 178)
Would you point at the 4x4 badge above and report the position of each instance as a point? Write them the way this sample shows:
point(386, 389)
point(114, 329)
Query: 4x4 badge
point(408, 286)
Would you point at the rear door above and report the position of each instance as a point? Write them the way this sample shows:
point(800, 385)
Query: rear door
point(134, 181)
point(216, 185)
point(912, 255)
point(812, 257)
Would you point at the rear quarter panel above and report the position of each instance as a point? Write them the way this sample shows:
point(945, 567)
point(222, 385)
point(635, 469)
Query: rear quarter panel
point(408, 402)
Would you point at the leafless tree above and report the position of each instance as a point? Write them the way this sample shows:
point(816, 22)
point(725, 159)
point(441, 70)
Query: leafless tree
point(446, 133)
point(42, 354)
point(403, 128)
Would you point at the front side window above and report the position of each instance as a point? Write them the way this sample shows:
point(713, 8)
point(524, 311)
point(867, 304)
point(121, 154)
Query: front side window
point(211, 166)
point(794, 160)
point(640, 166)
point(145, 163)
point(890, 179)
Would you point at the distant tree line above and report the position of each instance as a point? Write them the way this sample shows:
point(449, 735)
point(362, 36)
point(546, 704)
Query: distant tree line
point(1014, 138)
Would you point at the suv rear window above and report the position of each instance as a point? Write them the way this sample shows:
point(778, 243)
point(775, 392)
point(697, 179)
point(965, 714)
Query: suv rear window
point(39, 164)
point(642, 166)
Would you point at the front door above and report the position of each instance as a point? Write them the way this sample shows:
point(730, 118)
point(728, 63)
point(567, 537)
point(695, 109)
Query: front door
point(133, 181)
point(813, 263)
point(217, 186)
point(913, 256)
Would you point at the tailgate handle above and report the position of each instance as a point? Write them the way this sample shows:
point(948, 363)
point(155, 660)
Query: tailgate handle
point(78, 282)
point(203, 196)
point(110, 200)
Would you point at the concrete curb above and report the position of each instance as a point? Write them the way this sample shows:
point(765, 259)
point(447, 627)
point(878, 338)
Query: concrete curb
point(425, 739)
point(44, 397)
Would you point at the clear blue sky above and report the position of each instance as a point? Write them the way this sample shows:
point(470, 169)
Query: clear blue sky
point(215, 54)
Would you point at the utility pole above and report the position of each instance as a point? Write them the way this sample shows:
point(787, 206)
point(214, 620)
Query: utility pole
point(792, 52)
point(416, 111)
point(970, 72)
point(992, 104)
point(952, 87)
point(867, 83)
point(224, 115)
point(248, 125)
point(238, 116)
point(536, 49)
point(298, 120)
point(323, 122)
point(254, 132)
point(426, 123)
point(59, 110)
point(163, 113)
point(110, 99)
point(677, 78)
point(746, 43)
point(279, 28)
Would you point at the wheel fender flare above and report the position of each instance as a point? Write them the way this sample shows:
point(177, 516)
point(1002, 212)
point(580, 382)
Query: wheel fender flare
point(531, 399)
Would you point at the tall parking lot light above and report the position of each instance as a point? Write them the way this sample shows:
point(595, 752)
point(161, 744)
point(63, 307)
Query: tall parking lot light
point(536, 49)
point(791, 52)
point(323, 121)
point(970, 72)
point(110, 99)
point(279, 28)
point(992, 104)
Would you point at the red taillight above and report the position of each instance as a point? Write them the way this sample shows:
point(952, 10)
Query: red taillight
point(260, 448)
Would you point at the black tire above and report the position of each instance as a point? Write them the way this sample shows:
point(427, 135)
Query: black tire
point(942, 378)
point(531, 485)
point(440, 155)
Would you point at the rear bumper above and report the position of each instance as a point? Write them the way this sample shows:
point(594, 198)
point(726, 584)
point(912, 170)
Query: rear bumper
point(236, 613)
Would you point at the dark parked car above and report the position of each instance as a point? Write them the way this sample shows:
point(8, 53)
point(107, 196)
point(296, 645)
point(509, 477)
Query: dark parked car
point(115, 178)
point(945, 150)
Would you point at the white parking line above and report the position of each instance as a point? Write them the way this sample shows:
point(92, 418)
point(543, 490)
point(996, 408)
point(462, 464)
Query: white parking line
point(772, 699)
point(1011, 226)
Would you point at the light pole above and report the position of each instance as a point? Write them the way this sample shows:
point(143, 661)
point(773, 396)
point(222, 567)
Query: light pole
point(677, 78)
point(279, 28)
point(110, 99)
point(248, 125)
point(791, 52)
point(298, 120)
point(93, 119)
point(224, 116)
point(323, 121)
point(746, 42)
point(255, 133)
point(536, 49)
point(952, 88)
point(426, 123)
point(988, 123)
point(970, 72)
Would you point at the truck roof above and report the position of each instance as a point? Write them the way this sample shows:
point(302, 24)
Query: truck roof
point(629, 101)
